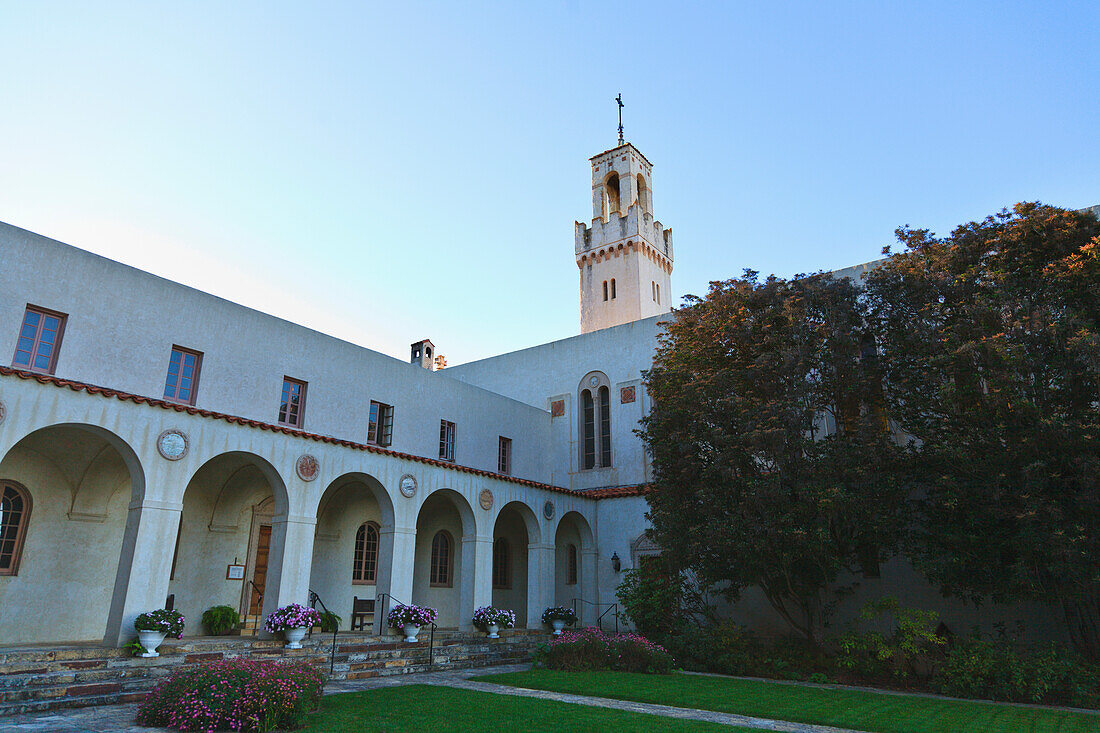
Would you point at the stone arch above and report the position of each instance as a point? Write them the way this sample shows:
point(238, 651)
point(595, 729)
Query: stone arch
point(643, 195)
point(348, 502)
point(518, 528)
point(612, 195)
point(446, 510)
point(80, 479)
point(574, 531)
point(234, 511)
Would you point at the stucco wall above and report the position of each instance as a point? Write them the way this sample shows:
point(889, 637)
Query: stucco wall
point(122, 324)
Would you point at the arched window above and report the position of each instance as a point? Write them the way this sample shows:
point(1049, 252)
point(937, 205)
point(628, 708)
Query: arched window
point(653, 290)
point(442, 560)
point(15, 513)
point(365, 565)
point(502, 564)
point(605, 289)
point(643, 194)
point(613, 288)
point(595, 421)
point(571, 565)
point(658, 295)
point(611, 188)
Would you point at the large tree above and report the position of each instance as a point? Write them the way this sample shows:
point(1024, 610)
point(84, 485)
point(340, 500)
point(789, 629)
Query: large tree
point(772, 463)
point(990, 344)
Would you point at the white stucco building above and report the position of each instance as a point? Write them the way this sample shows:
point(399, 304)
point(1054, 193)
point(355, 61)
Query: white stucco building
point(158, 443)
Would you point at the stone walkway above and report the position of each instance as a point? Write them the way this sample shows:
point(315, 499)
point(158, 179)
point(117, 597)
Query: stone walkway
point(119, 718)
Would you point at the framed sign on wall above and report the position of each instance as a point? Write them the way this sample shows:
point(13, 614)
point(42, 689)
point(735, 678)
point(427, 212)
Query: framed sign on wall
point(234, 572)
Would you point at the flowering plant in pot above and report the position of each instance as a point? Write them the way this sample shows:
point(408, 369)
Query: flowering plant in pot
point(153, 626)
point(558, 617)
point(410, 618)
point(292, 620)
point(220, 620)
point(491, 620)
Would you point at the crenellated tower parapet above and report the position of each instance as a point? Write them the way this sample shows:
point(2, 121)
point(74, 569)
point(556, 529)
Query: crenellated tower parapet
point(625, 255)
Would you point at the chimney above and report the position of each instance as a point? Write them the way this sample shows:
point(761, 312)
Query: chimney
point(423, 354)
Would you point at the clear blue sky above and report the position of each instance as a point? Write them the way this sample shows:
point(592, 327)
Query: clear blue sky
point(391, 172)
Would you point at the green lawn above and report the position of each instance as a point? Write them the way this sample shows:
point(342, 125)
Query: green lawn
point(868, 711)
point(445, 709)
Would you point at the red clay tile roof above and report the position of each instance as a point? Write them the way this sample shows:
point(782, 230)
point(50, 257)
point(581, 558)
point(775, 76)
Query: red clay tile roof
point(235, 420)
point(617, 492)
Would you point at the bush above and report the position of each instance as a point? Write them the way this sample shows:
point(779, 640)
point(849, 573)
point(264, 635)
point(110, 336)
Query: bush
point(651, 600)
point(910, 652)
point(997, 671)
point(220, 620)
point(330, 622)
point(591, 649)
point(237, 694)
point(169, 623)
point(725, 647)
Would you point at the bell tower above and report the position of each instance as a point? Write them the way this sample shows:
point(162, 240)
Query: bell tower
point(625, 256)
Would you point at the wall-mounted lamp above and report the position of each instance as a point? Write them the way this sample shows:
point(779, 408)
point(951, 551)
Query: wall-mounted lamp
point(616, 564)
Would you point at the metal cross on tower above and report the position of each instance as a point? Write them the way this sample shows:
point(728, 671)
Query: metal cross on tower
point(619, 99)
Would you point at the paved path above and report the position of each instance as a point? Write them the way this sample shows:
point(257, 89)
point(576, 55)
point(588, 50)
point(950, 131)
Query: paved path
point(119, 718)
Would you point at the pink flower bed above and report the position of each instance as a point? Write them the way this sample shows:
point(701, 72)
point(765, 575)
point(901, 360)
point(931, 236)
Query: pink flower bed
point(592, 649)
point(236, 695)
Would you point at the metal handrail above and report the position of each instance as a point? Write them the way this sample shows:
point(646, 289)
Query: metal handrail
point(385, 598)
point(314, 599)
point(599, 619)
point(260, 593)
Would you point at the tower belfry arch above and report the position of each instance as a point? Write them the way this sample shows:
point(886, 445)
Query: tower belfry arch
point(625, 256)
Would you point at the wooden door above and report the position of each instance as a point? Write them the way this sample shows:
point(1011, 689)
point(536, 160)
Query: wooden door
point(259, 571)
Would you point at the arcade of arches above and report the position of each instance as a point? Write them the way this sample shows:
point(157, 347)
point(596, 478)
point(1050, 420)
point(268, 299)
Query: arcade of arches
point(80, 542)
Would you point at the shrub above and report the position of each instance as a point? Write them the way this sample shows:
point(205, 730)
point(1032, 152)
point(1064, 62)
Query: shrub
point(910, 652)
point(658, 600)
point(487, 615)
point(559, 613)
point(330, 622)
point(997, 671)
point(170, 623)
point(236, 694)
point(293, 616)
point(591, 649)
point(401, 615)
point(728, 648)
point(220, 620)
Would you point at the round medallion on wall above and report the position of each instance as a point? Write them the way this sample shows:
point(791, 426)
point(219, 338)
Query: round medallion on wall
point(593, 381)
point(172, 444)
point(407, 485)
point(548, 510)
point(485, 498)
point(307, 467)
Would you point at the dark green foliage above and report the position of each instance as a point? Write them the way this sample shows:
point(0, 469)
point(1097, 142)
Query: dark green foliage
point(330, 622)
point(990, 343)
point(997, 671)
point(658, 600)
point(235, 694)
point(591, 649)
point(220, 620)
point(908, 653)
point(724, 647)
point(747, 489)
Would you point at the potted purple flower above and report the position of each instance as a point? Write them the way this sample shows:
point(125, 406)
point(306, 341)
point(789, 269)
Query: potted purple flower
point(292, 620)
point(558, 617)
point(492, 620)
point(410, 618)
point(153, 626)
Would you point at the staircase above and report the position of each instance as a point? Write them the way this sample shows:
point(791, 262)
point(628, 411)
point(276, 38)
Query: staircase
point(36, 678)
point(251, 625)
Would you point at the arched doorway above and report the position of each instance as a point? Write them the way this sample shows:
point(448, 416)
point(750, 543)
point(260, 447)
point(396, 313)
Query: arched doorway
point(69, 488)
point(352, 545)
point(443, 574)
point(515, 529)
point(229, 511)
point(574, 566)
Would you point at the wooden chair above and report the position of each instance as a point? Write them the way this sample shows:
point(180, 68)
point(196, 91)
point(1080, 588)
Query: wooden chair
point(361, 610)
